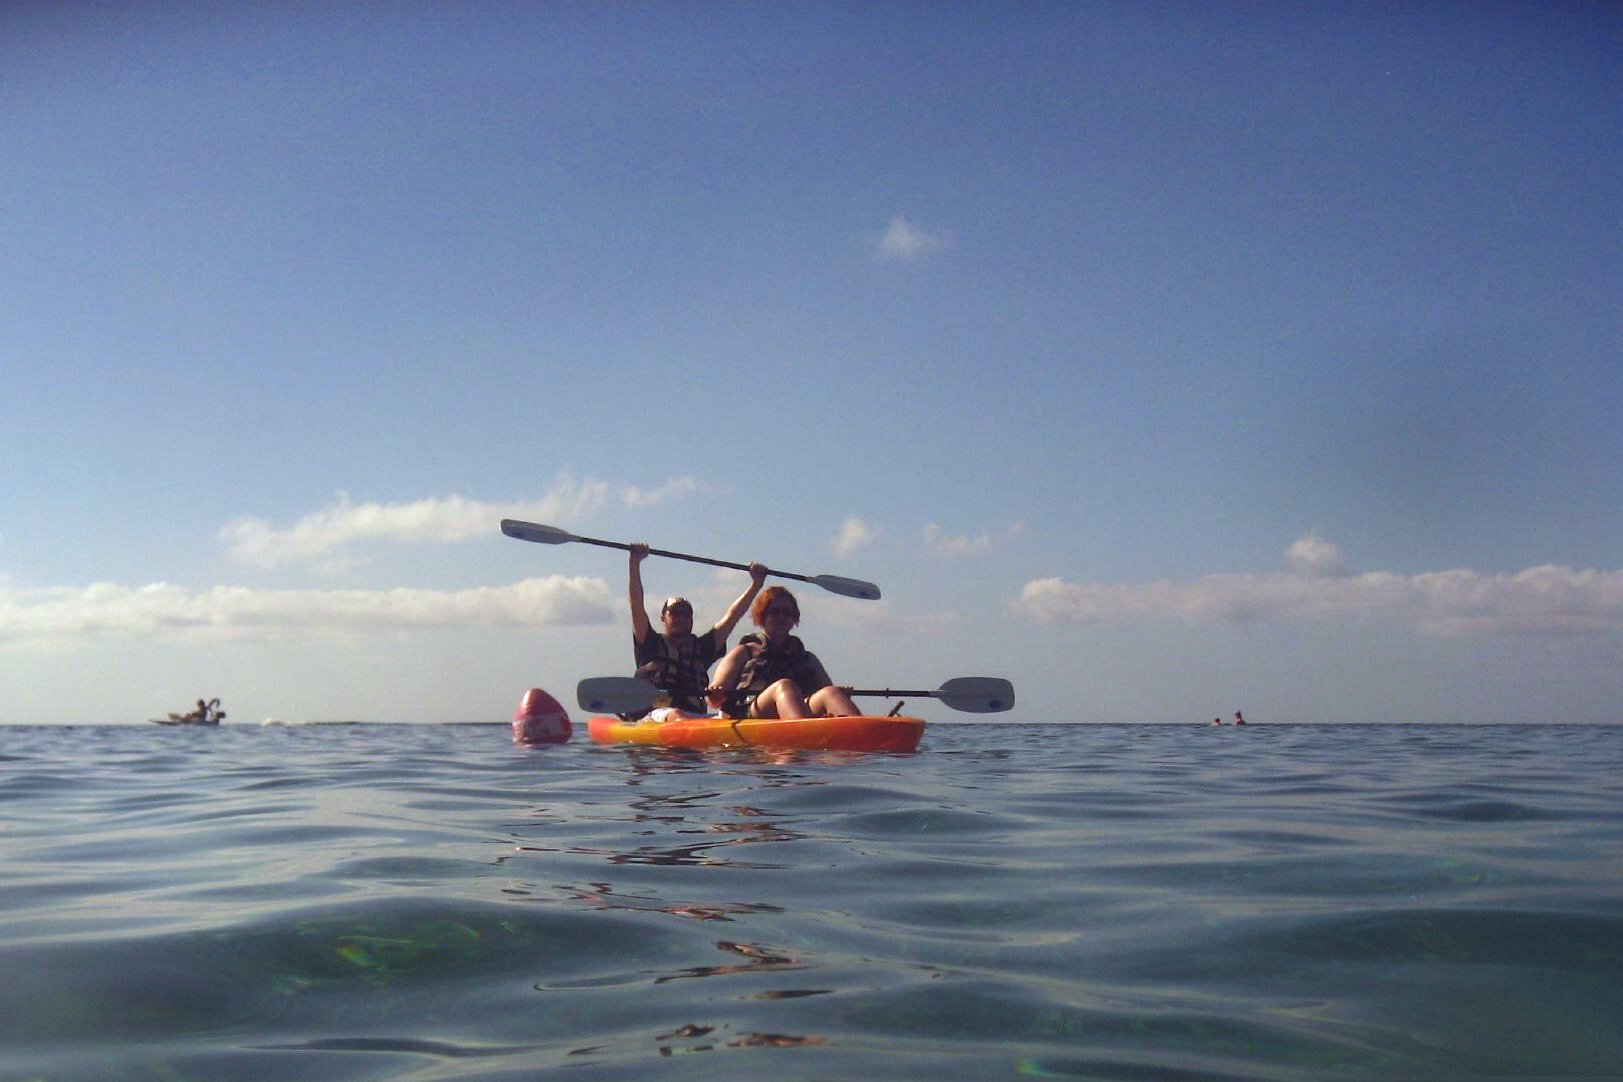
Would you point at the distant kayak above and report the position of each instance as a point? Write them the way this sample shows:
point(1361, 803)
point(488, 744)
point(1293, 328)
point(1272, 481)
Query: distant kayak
point(208, 712)
point(861, 733)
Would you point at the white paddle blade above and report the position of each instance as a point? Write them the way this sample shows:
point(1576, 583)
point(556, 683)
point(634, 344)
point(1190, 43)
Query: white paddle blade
point(978, 694)
point(615, 695)
point(534, 531)
point(867, 591)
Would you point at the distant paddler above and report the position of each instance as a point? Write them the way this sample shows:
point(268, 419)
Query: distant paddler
point(207, 712)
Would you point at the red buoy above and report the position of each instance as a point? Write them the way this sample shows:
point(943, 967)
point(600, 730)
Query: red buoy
point(540, 719)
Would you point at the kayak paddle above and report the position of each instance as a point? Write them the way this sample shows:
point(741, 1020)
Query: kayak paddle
point(615, 694)
point(971, 694)
point(628, 694)
point(551, 535)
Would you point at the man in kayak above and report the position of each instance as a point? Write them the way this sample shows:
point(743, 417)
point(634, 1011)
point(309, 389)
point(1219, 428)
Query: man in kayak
point(771, 674)
point(677, 661)
point(208, 712)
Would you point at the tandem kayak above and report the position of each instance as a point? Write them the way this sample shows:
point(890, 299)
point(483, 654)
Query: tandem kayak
point(862, 733)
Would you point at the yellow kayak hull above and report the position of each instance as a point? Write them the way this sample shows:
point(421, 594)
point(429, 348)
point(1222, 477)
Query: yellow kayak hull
point(863, 733)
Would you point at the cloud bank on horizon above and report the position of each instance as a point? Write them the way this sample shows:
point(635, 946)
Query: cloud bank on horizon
point(1319, 587)
point(1317, 584)
point(109, 610)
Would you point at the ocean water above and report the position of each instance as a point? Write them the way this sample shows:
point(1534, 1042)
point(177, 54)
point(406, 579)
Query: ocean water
point(1011, 902)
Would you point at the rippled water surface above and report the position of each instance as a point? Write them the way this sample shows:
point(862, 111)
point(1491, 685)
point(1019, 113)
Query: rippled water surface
point(1107, 902)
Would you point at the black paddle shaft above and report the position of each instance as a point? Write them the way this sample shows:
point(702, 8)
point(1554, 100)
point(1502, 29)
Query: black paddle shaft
point(623, 547)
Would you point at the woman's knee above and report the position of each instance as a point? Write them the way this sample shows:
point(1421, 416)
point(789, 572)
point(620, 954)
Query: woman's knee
point(831, 701)
point(785, 699)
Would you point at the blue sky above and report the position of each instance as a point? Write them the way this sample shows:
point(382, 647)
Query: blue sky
point(1167, 359)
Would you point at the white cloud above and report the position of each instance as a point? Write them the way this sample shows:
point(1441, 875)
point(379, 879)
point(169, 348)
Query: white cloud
point(108, 609)
point(964, 545)
point(854, 535)
point(905, 242)
point(1462, 603)
point(258, 543)
point(1314, 557)
point(639, 498)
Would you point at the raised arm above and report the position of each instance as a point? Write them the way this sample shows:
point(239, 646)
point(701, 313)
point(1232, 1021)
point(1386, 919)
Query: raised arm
point(640, 627)
point(729, 620)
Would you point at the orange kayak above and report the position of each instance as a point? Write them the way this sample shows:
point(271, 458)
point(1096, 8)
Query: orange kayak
point(821, 734)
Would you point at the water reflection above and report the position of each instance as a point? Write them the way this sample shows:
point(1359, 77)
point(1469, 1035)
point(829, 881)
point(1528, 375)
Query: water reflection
point(684, 809)
point(756, 960)
point(603, 896)
point(658, 810)
point(697, 1038)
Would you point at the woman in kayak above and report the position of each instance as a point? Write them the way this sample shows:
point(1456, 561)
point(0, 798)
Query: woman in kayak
point(676, 660)
point(771, 674)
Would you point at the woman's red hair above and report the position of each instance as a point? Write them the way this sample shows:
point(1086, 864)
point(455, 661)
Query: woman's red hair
point(769, 595)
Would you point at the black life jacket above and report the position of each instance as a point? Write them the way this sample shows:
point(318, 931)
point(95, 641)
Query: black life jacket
point(768, 664)
point(679, 670)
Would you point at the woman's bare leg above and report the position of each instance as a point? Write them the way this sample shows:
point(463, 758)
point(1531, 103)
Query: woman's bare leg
point(832, 702)
point(782, 700)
